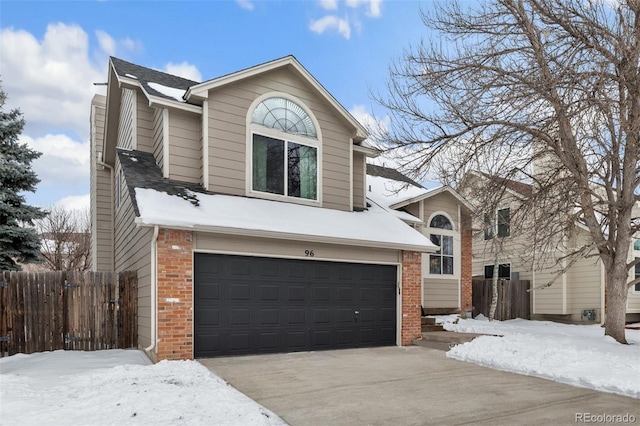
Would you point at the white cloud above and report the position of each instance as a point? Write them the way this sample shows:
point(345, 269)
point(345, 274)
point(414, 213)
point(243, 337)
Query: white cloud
point(374, 126)
point(373, 8)
point(63, 160)
point(329, 4)
point(245, 4)
point(75, 202)
point(331, 23)
point(51, 80)
point(184, 70)
point(106, 42)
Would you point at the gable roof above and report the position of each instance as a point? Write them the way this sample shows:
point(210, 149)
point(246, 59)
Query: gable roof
point(521, 188)
point(399, 190)
point(175, 204)
point(200, 91)
point(147, 76)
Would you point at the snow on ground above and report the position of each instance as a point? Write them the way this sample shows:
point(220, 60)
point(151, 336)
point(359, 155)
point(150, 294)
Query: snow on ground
point(579, 355)
point(116, 387)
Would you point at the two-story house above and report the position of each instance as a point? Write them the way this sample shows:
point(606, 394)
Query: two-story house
point(242, 203)
point(561, 289)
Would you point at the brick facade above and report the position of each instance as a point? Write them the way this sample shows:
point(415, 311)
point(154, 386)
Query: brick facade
point(175, 295)
point(466, 270)
point(411, 296)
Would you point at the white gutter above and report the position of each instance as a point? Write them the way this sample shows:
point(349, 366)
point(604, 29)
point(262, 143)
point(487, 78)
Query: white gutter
point(154, 290)
point(295, 236)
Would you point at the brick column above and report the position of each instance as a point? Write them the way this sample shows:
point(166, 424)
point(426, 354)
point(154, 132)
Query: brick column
point(411, 298)
point(175, 295)
point(466, 271)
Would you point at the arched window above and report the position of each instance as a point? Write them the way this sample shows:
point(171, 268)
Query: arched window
point(441, 222)
point(441, 262)
point(286, 115)
point(284, 149)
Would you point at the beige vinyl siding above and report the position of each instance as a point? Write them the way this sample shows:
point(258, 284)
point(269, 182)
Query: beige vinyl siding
point(359, 180)
point(291, 249)
point(158, 138)
point(127, 128)
point(133, 253)
point(584, 289)
point(442, 202)
point(440, 293)
point(101, 193)
point(145, 117)
point(548, 300)
point(185, 160)
point(228, 109)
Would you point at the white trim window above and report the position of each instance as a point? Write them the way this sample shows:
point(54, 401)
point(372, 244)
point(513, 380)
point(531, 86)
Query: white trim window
point(442, 261)
point(504, 271)
point(500, 225)
point(284, 150)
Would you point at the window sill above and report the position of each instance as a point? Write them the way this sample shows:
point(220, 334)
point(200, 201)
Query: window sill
point(284, 198)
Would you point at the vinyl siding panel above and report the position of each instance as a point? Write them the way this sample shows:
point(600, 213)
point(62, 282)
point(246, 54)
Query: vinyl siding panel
point(442, 203)
point(440, 293)
point(292, 249)
point(145, 123)
point(548, 300)
point(133, 253)
point(584, 287)
point(101, 194)
point(158, 138)
point(186, 151)
point(127, 127)
point(228, 108)
point(359, 181)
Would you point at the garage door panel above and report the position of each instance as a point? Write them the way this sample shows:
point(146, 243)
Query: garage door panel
point(269, 292)
point(297, 316)
point(240, 316)
point(246, 305)
point(296, 293)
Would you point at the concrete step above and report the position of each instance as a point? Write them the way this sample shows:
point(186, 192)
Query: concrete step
point(429, 328)
point(428, 321)
point(444, 340)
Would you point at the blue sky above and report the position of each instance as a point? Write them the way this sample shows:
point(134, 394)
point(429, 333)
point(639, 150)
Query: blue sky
point(52, 51)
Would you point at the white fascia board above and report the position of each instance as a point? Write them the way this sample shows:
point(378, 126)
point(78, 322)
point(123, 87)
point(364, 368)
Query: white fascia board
point(292, 236)
point(200, 91)
point(369, 152)
point(431, 194)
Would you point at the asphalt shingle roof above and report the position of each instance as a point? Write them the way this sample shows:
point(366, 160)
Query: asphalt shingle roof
point(141, 171)
point(393, 174)
point(147, 75)
point(519, 187)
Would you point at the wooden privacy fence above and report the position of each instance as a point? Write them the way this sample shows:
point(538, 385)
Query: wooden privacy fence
point(513, 299)
point(46, 311)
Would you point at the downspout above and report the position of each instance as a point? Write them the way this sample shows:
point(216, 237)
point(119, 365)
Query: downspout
point(154, 289)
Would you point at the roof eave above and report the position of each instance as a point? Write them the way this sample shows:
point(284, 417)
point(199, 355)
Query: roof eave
point(292, 236)
point(201, 91)
point(430, 194)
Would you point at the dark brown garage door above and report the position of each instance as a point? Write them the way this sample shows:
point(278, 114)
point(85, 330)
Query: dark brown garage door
point(250, 305)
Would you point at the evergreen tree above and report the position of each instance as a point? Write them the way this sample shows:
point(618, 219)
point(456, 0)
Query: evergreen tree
point(19, 241)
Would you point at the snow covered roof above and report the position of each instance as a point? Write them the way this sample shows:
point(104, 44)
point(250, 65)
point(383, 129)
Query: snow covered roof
point(165, 202)
point(155, 83)
point(265, 218)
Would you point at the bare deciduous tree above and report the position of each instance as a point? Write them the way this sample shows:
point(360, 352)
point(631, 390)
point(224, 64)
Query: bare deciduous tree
point(546, 91)
point(66, 239)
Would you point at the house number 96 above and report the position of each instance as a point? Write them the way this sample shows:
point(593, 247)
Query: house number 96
point(309, 253)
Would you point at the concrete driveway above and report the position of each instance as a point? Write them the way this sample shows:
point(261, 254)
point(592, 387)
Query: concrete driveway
point(406, 386)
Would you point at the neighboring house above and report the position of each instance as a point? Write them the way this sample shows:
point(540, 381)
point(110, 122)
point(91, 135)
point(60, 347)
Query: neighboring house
point(241, 202)
point(445, 217)
point(577, 295)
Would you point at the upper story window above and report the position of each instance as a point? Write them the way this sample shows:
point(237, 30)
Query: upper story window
point(284, 150)
point(504, 271)
point(441, 262)
point(500, 225)
point(636, 245)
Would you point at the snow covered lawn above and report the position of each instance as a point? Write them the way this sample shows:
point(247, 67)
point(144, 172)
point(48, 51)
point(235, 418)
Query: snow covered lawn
point(118, 387)
point(579, 355)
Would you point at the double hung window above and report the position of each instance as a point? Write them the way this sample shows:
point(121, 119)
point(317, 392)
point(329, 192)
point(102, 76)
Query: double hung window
point(441, 262)
point(285, 154)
